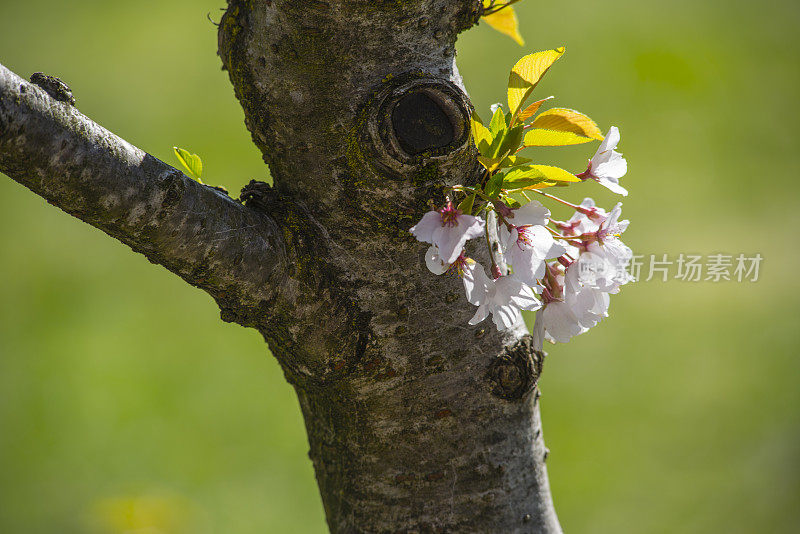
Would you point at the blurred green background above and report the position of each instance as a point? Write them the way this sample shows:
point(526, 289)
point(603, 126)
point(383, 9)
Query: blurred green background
point(127, 405)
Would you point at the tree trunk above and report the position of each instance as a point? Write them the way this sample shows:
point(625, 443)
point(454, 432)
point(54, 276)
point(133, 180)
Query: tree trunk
point(417, 422)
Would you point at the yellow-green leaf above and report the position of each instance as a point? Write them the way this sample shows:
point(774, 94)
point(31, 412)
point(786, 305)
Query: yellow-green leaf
point(505, 21)
point(512, 139)
point(527, 176)
point(568, 120)
point(541, 137)
point(466, 205)
point(522, 198)
point(488, 162)
point(555, 174)
point(498, 122)
point(493, 186)
point(527, 73)
point(542, 185)
point(481, 135)
point(513, 161)
point(531, 110)
point(191, 162)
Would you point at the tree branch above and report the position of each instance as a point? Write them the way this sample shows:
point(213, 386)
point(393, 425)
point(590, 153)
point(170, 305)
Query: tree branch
point(234, 253)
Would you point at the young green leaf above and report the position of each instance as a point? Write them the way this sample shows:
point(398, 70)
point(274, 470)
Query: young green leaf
point(489, 162)
point(466, 205)
point(510, 201)
point(494, 185)
point(542, 137)
point(511, 141)
point(481, 135)
point(568, 120)
point(498, 122)
point(505, 21)
point(513, 161)
point(526, 75)
point(526, 176)
point(191, 162)
point(497, 130)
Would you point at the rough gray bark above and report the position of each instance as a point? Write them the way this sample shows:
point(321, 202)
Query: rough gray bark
point(416, 421)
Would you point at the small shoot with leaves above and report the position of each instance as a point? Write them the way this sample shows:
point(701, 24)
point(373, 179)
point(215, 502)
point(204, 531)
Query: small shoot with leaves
point(191, 162)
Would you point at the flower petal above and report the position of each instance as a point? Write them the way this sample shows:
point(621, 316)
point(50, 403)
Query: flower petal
point(526, 300)
point(614, 166)
point(480, 314)
point(543, 244)
point(511, 289)
point(528, 268)
point(611, 140)
point(506, 237)
point(451, 239)
point(434, 261)
point(538, 333)
point(532, 213)
point(613, 216)
point(612, 185)
point(476, 282)
point(506, 316)
point(426, 227)
point(560, 322)
point(474, 226)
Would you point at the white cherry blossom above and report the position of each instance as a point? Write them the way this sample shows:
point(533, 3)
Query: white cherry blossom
point(607, 166)
point(471, 272)
point(503, 298)
point(585, 220)
point(596, 271)
point(528, 244)
point(604, 258)
point(558, 318)
point(559, 321)
point(564, 270)
point(538, 333)
point(570, 308)
point(588, 304)
point(474, 278)
point(449, 230)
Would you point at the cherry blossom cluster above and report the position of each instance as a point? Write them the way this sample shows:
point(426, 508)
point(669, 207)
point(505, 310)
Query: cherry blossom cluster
point(566, 270)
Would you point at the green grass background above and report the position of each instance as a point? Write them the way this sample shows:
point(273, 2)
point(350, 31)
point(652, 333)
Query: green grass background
point(126, 405)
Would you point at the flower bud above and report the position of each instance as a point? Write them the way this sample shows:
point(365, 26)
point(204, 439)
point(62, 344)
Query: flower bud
point(496, 272)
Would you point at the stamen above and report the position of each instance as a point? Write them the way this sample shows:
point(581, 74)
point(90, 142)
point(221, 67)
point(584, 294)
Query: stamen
point(449, 214)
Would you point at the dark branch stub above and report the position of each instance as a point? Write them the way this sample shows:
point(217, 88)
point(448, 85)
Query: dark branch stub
point(415, 119)
point(420, 124)
point(55, 87)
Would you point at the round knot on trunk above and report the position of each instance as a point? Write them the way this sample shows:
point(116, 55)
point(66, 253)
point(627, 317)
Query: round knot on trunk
point(515, 372)
point(420, 124)
point(416, 119)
